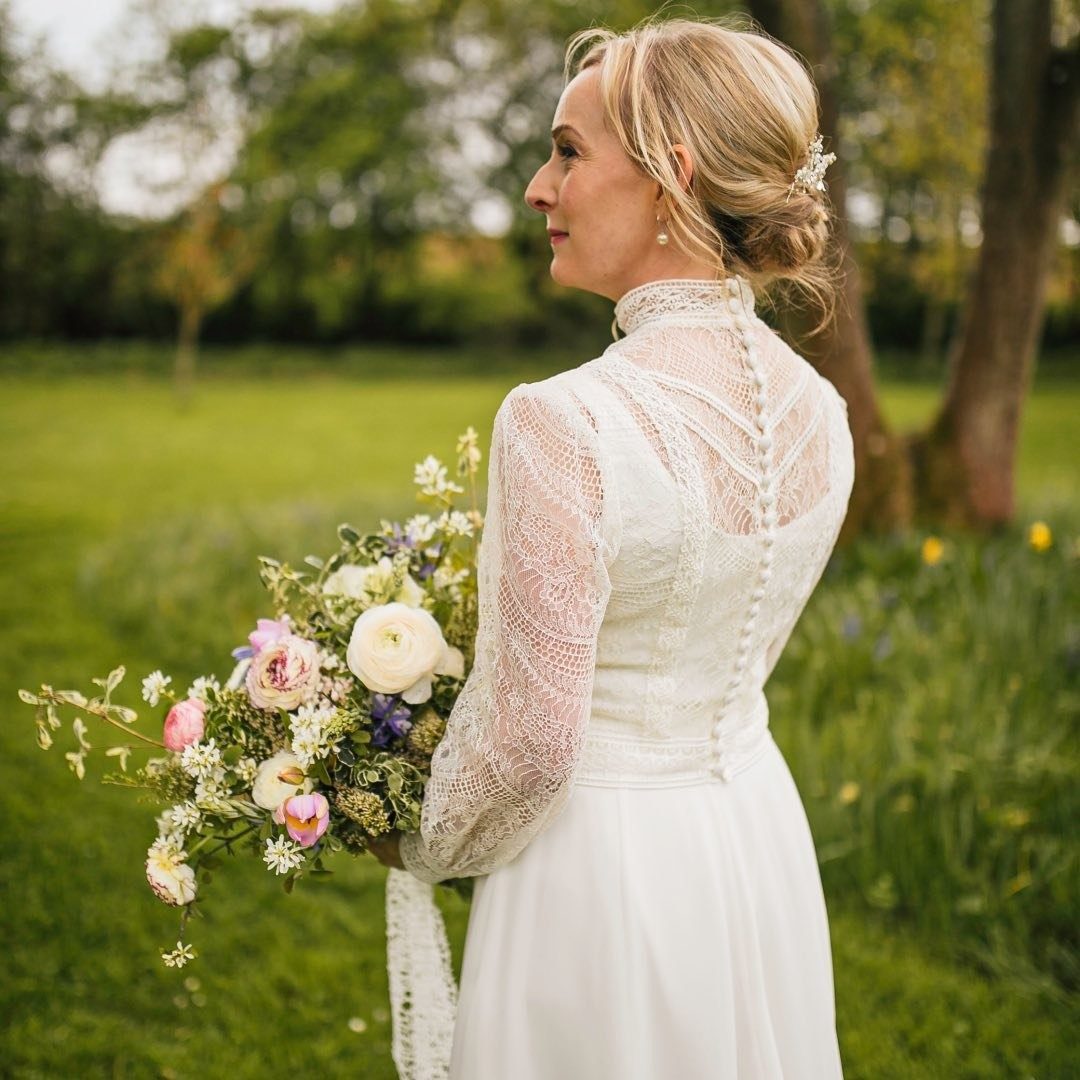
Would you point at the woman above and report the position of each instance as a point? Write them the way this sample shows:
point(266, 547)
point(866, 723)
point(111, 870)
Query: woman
point(648, 902)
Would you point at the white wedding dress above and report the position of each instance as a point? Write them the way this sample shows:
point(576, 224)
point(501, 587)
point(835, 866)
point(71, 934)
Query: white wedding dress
point(648, 903)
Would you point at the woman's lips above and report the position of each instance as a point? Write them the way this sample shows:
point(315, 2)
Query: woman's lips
point(558, 237)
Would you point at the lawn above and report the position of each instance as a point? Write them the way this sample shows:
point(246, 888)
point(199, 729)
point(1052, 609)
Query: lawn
point(925, 711)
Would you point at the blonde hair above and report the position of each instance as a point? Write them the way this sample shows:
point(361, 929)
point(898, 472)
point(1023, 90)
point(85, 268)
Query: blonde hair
point(746, 108)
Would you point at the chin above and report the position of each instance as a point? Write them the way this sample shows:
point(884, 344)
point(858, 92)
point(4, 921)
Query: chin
point(564, 275)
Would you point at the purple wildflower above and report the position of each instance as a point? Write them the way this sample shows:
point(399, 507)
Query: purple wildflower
point(392, 719)
point(398, 539)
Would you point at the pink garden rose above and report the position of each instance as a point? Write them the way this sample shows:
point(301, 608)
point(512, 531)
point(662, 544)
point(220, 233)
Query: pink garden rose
point(305, 817)
point(282, 672)
point(269, 631)
point(185, 723)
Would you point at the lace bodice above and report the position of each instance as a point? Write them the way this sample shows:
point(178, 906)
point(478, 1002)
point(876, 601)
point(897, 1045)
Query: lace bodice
point(657, 519)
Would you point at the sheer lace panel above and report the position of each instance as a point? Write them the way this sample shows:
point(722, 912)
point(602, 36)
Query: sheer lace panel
point(699, 373)
point(505, 763)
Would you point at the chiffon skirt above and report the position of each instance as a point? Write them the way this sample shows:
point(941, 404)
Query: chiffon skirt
point(652, 933)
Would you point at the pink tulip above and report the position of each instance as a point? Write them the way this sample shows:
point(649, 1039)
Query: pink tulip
point(268, 632)
point(305, 817)
point(185, 723)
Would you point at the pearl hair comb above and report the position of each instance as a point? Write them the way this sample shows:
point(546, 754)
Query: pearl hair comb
point(811, 177)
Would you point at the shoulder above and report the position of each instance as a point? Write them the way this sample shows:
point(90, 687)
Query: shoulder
point(556, 404)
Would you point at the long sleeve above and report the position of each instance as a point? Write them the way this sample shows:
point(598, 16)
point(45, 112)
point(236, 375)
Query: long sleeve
point(504, 767)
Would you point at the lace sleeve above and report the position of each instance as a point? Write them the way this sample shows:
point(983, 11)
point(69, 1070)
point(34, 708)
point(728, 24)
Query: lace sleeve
point(503, 770)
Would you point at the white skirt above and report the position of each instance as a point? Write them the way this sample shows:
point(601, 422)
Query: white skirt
point(652, 933)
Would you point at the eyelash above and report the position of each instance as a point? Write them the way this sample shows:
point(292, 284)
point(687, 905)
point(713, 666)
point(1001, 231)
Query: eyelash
point(566, 146)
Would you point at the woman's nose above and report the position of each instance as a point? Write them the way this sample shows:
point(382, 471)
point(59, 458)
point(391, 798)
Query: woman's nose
point(540, 195)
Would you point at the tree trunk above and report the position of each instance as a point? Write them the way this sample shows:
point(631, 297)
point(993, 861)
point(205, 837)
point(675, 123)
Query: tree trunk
point(187, 351)
point(882, 496)
point(964, 462)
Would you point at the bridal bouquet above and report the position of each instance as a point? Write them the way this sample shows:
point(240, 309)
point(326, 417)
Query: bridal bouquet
point(321, 737)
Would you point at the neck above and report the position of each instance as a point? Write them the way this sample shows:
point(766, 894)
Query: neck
point(663, 269)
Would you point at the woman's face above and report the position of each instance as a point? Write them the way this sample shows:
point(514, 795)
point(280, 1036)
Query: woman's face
point(603, 206)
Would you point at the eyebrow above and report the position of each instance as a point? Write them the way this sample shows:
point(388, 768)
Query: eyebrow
point(557, 131)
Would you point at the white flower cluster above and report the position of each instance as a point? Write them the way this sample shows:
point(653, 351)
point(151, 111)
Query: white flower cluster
point(421, 527)
point(309, 736)
point(430, 475)
point(179, 956)
point(335, 688)
point(200, 687)
point(153, 686)
point(450, 580)
point(201, 760)
point(283, 855)
point(455, 523)
point(184, 817)
point(468, 451)
point(212, 793)
point(245, 770)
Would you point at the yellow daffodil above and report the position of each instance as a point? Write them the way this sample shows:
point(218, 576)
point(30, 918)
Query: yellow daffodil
point(932, 550)
point(1039, 535)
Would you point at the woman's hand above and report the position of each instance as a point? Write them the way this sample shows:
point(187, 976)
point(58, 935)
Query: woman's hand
point(387, 850)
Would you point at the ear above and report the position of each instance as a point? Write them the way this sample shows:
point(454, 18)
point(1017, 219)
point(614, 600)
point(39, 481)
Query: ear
point(684, 164)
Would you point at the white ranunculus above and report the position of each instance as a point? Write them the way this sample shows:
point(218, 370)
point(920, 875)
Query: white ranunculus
point(278, 778)
point(364, 583)
point(410, 592)
point(350, 581)
point(398, 649)
point(170, 877)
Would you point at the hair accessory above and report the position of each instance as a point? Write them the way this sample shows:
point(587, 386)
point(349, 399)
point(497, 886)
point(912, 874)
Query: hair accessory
point(662, 236)
point(811, 177)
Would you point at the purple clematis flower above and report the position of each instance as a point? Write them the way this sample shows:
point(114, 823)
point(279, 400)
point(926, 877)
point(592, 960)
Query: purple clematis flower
point(428, 568)
point(398, 540)
point(392, 719)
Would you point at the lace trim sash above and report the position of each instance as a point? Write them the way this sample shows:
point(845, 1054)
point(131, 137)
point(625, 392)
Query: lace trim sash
point(423, 991)
point(613, 760)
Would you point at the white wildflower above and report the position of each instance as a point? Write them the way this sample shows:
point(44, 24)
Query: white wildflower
point(283, 855)
point(308, 725)
point(430, 474)
point(167, 844)
point(455, 523)
point(212, 793)
point(179, 956)
point(200, 687)
point(446, 578)
point(468, 451)
point(184, 817)
point(245, 769)
point(153, 686)
point(421, 528)
point(200, 759)
point(329, 660)
point(169, 833)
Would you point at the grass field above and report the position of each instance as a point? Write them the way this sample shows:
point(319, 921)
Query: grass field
point(926, 712)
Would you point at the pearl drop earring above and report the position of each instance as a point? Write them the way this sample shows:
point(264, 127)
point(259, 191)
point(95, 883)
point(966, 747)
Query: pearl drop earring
point(662, 236)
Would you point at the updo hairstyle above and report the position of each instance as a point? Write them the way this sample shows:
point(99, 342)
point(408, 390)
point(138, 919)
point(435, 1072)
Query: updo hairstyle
point(747, 110)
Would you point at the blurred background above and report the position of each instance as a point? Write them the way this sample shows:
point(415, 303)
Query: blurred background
point(258, 259)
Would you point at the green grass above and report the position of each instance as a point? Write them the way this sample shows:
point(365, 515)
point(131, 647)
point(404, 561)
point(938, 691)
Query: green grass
point(128, 532)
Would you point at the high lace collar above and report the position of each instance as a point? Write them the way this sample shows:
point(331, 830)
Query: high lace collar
point(684, 300)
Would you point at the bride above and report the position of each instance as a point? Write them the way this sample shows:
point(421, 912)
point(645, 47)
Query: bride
point(647, 902)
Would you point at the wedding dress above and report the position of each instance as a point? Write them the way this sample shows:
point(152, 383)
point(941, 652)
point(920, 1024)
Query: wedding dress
point(648, 903)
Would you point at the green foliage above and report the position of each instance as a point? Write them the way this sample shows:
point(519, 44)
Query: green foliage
point(925, 708)
point(131, 530)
